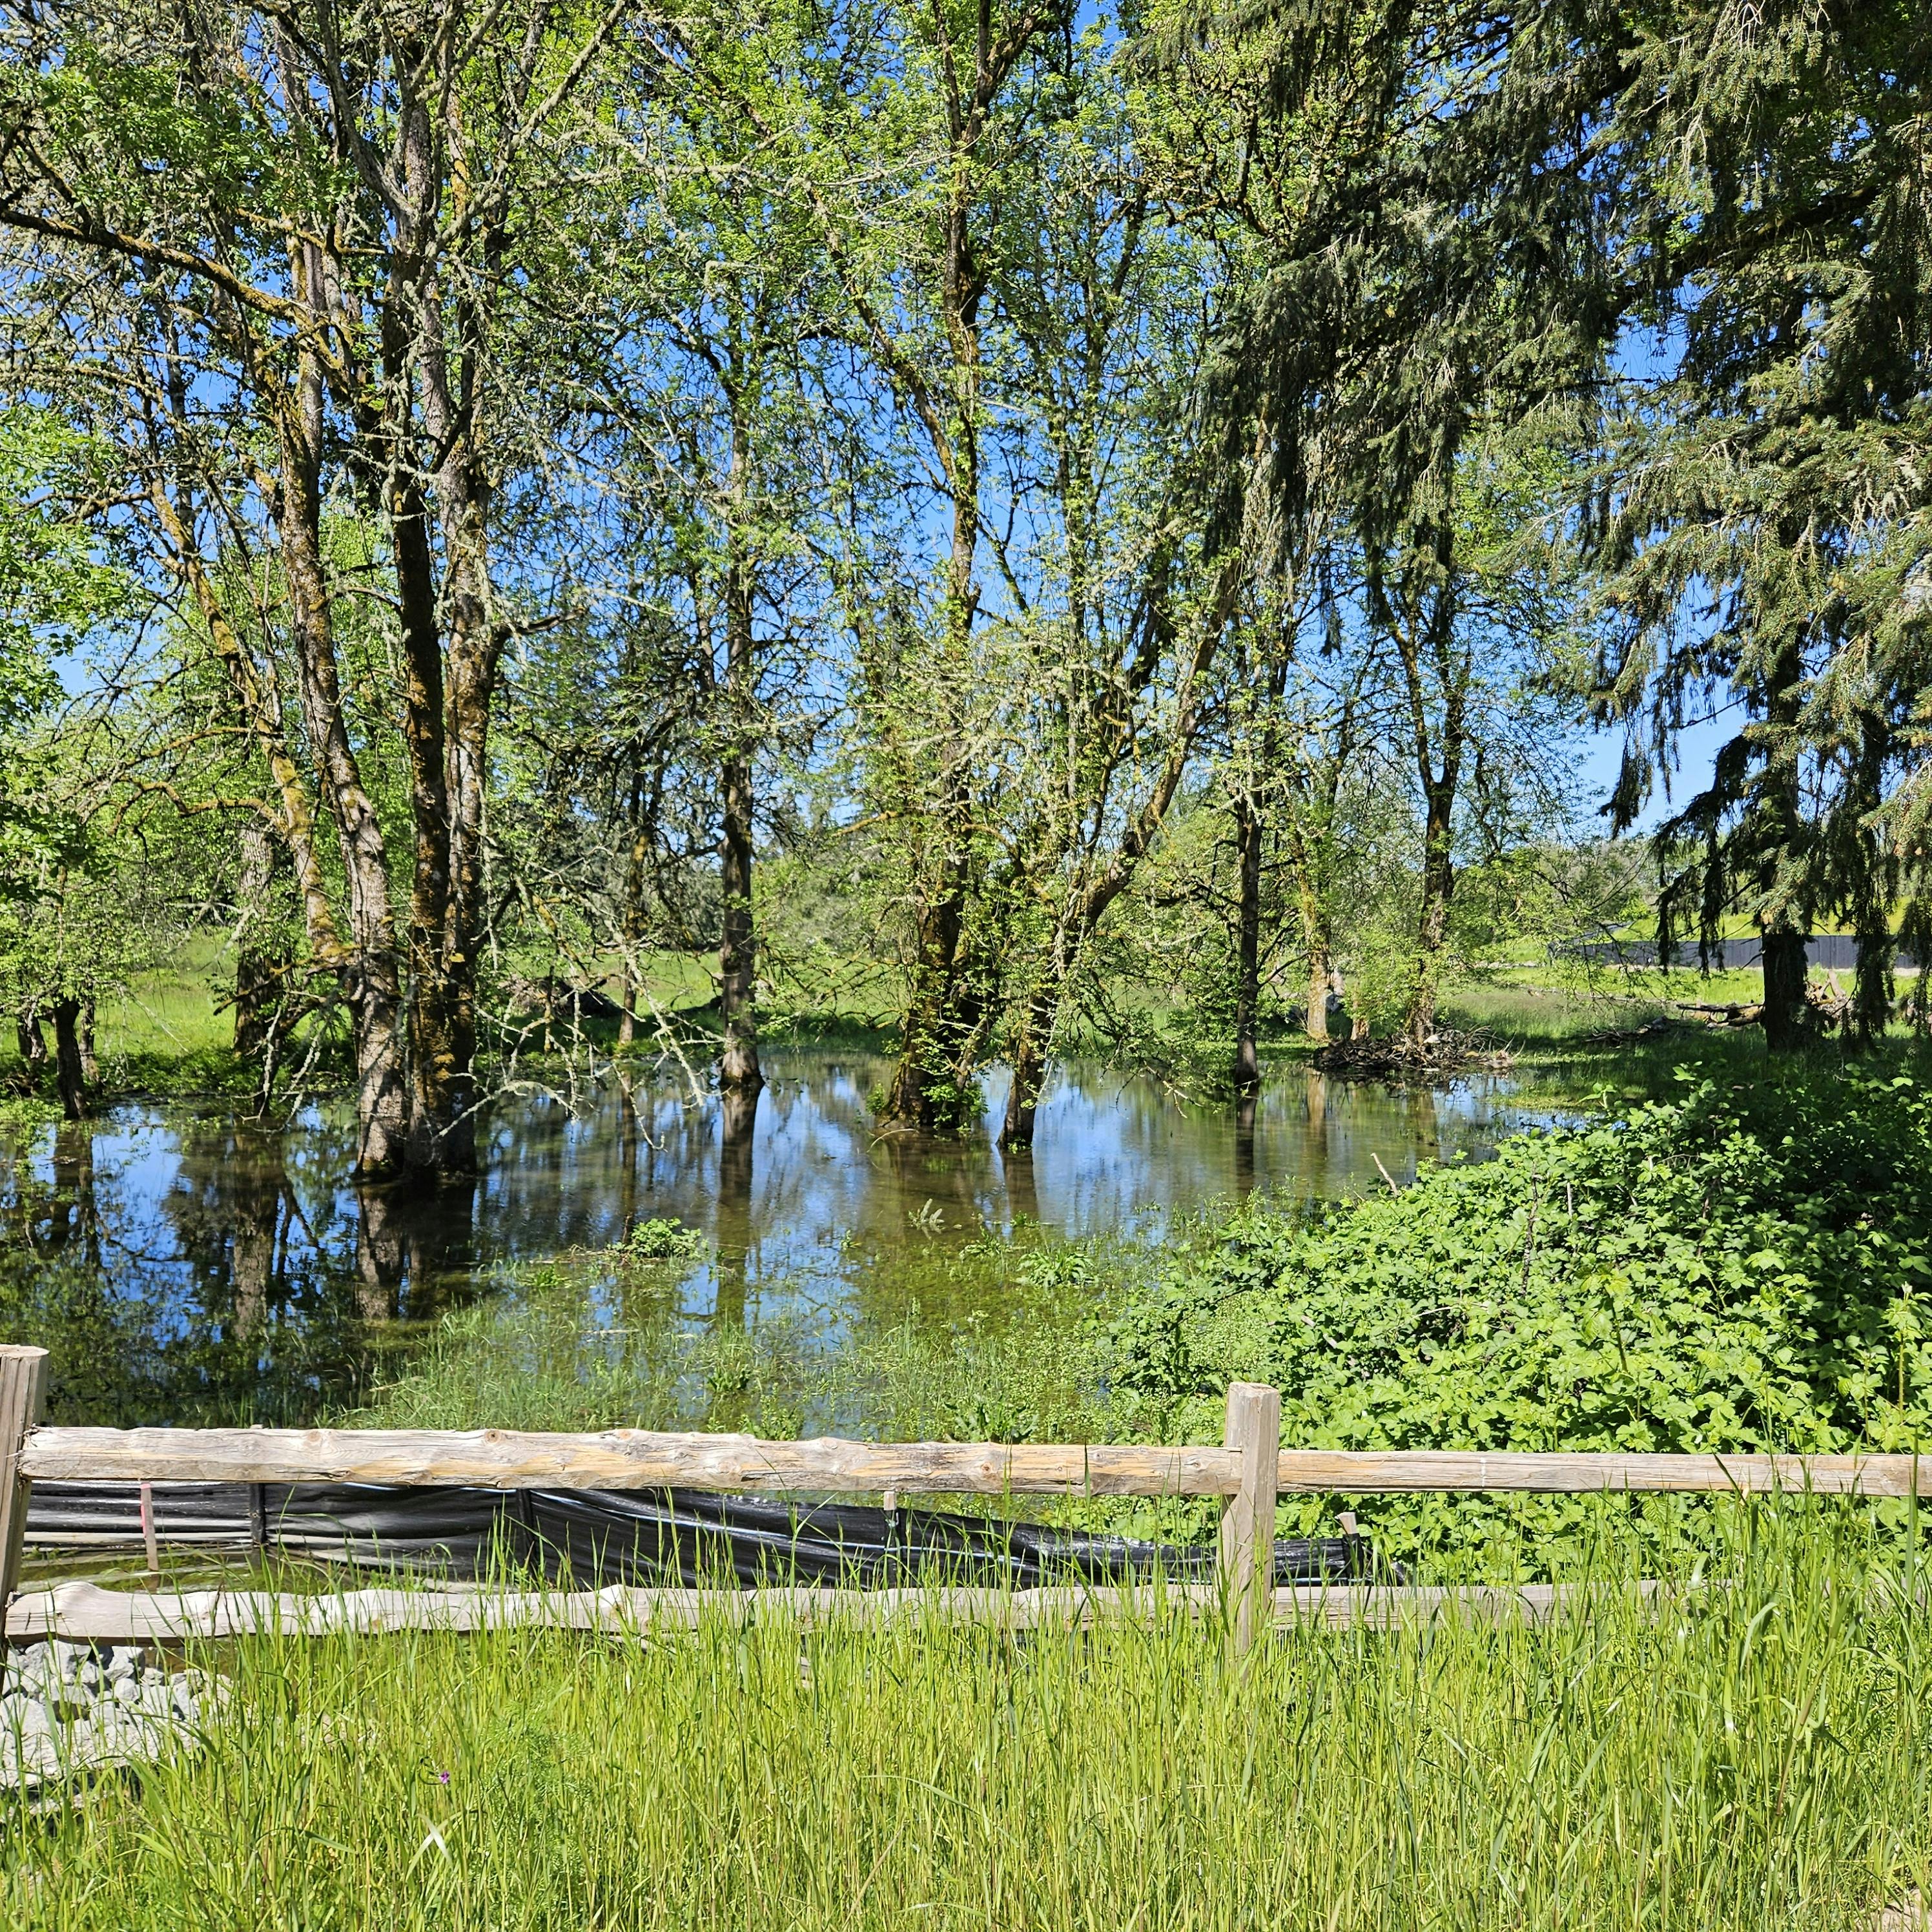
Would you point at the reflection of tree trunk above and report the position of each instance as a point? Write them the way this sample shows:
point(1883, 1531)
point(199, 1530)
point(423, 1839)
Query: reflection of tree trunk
point(1248, 948)
point(379, 1255)
point(73, 1215)
point(739, 1126)
point(1022, 1186)
point(257, 1209)
point(628, 1135)
point(67, 1063)
point(261, 961)
point(1314, 1160)
point(1244, 1144)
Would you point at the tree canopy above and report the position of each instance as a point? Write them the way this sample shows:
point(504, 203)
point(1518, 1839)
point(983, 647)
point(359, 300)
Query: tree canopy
point(1020, 503)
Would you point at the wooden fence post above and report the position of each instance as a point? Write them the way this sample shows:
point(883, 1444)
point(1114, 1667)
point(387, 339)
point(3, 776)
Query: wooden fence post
point(23, 1391)
point(1246, 1559)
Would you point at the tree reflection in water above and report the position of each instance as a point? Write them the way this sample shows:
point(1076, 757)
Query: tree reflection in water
point(187, 1266)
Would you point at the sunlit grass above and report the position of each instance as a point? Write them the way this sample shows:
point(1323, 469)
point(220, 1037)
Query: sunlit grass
point(1749, 1751)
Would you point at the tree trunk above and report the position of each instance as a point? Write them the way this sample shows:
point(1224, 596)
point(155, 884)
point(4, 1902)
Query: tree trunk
point(631, 918)
point(90, 1064)
point(32, 1042)
point(1248, 944)
point(1029, 1062)
point(1320, 969)
point(68, 1064)
point(1438, 882)
point(1785, 974)
point(920, 1099)
point(261, 962)
point(371, 977)
point(737, 964)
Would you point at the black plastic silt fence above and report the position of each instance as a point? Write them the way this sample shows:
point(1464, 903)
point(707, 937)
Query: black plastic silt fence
point(592, 1537)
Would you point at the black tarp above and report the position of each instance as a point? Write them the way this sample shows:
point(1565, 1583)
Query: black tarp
point(587, 1537)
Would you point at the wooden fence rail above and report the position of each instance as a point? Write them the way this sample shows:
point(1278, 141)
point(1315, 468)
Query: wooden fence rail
point(1247, 1473)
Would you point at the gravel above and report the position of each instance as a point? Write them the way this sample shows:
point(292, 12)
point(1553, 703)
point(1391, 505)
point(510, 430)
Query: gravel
point(67, 1709)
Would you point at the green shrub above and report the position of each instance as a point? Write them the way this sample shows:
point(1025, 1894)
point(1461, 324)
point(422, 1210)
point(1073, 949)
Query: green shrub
point(658, 1240)
point(1735, 1270)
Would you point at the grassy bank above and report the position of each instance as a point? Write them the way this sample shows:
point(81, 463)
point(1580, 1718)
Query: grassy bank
point(1752, 1755)
point(170, 1031)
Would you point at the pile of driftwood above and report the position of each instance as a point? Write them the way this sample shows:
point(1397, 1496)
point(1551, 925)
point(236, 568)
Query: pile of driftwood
point(1397, 1056)
point(1827, 1005)
point(559, 1001)
point(1653, 1028)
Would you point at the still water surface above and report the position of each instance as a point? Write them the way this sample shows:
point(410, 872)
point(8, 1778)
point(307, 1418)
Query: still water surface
point(187, 1266)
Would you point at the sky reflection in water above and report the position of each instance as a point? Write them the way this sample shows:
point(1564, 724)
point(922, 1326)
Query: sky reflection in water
point(187, 1267)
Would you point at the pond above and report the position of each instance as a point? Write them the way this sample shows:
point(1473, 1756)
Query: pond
point(189, 1266)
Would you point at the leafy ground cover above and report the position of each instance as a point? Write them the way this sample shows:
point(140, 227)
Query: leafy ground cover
point(1749, 1751)
point(1742, 1267)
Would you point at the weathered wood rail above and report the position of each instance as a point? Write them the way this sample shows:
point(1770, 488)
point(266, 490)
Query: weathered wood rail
point(1248, 1473)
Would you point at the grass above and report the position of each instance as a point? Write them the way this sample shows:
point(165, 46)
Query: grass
point(600, 1340)
point(169, 1034)
point(1750, 1753)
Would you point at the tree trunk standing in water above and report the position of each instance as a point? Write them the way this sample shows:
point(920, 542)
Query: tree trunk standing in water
point(72, 1075)
point(1436, 669)
point(926, 1095)
point(372, 980)
point(1248, 837)
point(737, 957)
point(631, 913)
point(1029, 1066)
point(737, 966)
point(929, 768)
point(1438, 885)
point(1087, 901)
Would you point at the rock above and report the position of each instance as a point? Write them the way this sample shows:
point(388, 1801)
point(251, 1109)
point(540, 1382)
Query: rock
point(33, 1718)
point(68, 1711)
point(34, 1672)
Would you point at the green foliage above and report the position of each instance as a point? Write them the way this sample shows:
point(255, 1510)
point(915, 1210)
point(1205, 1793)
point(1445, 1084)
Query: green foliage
point(658, 1240)
point(1745, 1269)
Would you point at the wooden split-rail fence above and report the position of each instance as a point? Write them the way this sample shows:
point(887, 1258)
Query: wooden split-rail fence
point(1248, 1472)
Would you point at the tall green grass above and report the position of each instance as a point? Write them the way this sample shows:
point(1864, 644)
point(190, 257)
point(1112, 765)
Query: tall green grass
point(1748, 1751)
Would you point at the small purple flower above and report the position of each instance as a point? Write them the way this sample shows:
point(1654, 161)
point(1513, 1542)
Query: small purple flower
point(442, 1777)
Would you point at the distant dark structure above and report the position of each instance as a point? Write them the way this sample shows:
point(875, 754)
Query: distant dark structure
point(1837, 951)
